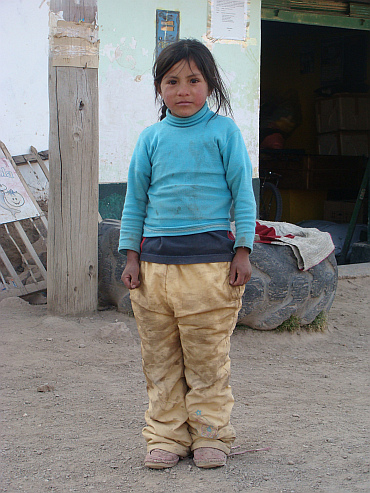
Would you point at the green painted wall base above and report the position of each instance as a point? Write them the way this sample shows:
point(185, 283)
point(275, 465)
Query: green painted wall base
point(111, 200)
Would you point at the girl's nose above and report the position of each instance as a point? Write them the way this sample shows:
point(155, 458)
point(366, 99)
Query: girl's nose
point(182, 89)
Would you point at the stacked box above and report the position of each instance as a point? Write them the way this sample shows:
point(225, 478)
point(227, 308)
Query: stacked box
point(344, 143)
point(341, 211)
point(309, 172)
point(343, 125)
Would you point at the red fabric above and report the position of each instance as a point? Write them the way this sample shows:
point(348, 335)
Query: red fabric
point(267, 234)
point(141, 244)
point(273, 141)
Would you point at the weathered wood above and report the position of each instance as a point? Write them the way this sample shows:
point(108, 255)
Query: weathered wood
point(23, 158)
point(10, 280)
point(74, 174)
point(30, 248)
point(42, 165)
point(20, 289)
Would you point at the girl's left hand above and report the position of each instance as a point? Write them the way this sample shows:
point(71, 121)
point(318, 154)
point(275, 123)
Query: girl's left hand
point(240, 269)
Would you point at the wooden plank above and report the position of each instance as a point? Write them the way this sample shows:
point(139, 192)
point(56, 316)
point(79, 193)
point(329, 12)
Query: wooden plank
point(30, 248)
point(40, 161)
point(74, 177)
point(23, 158)
point(20, 288)
point(314, 19)
point(27, 289)
point(35, 174)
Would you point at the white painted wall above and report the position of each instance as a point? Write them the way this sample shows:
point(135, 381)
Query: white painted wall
point(24, 105)
point(126, 95)
point(127, 45)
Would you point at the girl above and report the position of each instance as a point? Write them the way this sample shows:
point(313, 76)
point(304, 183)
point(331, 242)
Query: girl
point(185, 271)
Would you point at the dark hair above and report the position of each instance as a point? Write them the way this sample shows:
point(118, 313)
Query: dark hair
point(192, 50)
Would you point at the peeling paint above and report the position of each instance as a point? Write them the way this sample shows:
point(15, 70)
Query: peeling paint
point(133, 43)
point(109, 51)
point(209, 41)
point(126, 84)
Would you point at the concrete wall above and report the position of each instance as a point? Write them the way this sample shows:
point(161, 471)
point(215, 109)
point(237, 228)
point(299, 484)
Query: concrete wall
point(24, 105)
point(127, 34)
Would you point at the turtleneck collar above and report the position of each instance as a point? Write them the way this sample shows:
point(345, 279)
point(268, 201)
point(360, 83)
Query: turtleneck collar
point(187, 121)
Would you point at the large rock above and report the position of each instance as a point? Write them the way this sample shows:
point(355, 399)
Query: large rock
point(111, 290)
point(276, 291)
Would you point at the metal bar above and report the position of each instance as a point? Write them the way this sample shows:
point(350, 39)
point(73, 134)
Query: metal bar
point(368, 210)
point(360, 197)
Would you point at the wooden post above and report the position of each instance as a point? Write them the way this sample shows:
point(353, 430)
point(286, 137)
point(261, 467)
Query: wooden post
point(72, 265)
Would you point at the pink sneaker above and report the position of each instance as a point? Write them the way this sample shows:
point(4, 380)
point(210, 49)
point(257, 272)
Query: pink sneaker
point(208, 457)
point(160, 459)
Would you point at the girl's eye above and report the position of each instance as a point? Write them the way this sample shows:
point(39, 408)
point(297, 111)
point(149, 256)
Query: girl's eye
point(172, 82)
point(194, 81)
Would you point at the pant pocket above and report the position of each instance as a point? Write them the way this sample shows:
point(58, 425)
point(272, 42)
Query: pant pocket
point(234, 292)
point(237, 291)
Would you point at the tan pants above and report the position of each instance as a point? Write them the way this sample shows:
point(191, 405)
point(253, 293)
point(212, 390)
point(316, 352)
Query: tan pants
point(185, 316)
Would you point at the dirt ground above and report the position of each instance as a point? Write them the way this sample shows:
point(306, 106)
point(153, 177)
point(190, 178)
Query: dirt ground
point(73, 400)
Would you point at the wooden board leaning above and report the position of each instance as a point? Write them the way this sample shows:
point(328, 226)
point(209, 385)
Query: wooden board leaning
point(23, 231)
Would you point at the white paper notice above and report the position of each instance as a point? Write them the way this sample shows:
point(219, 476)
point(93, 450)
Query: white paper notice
point(228, 19)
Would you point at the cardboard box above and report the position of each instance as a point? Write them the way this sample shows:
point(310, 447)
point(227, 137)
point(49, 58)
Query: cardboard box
point(341, 211)
point(343, 112)
point(344, 143)
point(311, 172)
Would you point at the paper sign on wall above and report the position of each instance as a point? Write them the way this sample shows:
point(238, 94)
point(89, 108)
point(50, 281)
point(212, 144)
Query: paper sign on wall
point(229, 19)
point(15, 202)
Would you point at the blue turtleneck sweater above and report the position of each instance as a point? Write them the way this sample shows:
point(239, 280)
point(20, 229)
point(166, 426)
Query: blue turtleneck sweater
point(183, 177)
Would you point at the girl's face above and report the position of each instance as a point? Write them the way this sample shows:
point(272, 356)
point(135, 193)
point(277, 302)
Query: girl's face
point(184, 89)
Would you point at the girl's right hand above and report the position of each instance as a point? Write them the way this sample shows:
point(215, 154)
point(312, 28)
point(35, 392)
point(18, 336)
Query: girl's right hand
point(130, 275)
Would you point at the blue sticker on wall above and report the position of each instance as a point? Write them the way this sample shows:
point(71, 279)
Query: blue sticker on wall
point(168, 28)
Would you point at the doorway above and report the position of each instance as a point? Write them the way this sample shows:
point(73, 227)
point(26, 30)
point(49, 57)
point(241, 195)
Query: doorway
point(310, 76)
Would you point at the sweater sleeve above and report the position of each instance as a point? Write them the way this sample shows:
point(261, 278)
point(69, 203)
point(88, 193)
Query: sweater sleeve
point(134, 210)
point(238, 169)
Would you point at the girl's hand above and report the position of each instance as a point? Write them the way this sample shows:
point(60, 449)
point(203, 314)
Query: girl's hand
point(240, 269)
point(130, 275)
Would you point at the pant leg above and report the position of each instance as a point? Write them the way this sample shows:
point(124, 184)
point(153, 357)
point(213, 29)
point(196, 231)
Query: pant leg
point(207, 308)
point(166, 417)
